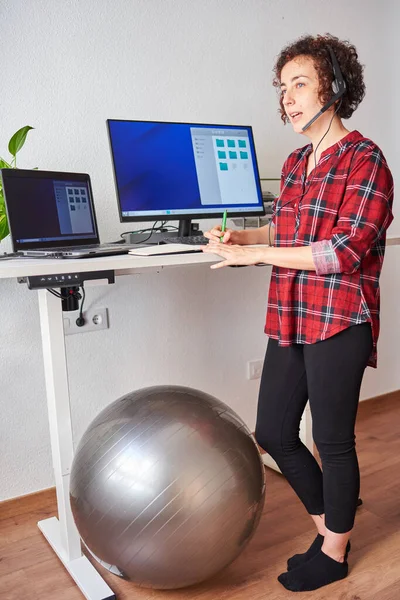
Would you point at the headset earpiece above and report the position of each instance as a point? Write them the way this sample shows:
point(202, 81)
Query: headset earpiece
point(338, 83)
point(338, 88)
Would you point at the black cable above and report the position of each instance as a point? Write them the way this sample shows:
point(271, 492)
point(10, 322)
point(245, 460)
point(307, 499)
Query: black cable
point(80, 320)
point(56, 294)
point(278, 209)
point(152, 230)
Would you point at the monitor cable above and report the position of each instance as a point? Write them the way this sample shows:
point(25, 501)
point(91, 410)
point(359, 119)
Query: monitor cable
point(161, 228)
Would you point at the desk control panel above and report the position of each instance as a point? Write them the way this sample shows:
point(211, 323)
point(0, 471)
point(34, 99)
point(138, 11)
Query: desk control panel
point(60, 280)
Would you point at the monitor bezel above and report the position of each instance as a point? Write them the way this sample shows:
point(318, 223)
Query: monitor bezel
point(39, 174)
point(259, 212)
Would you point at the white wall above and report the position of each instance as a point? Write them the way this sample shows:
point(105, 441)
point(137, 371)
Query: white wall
point(67, 67)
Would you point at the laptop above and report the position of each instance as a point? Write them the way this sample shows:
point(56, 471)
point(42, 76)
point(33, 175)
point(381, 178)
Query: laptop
point(51, 214)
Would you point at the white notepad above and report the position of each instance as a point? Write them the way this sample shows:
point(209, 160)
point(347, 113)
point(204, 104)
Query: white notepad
point(165, 249)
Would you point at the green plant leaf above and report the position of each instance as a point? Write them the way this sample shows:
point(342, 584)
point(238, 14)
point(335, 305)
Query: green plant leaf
point(18, 139)
point(4, 230)
point(4, 164)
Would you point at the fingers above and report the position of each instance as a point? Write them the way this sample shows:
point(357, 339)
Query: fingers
point(223, 263)
point(217, 248)
point(227, 236)
point(232, 255)
point(215, 234)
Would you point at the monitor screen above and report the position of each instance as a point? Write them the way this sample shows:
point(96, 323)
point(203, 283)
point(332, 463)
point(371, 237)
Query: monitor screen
point(48, 209)
point(167, 171)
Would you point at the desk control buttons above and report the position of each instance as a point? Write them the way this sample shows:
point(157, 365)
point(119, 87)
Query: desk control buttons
point(58, 280)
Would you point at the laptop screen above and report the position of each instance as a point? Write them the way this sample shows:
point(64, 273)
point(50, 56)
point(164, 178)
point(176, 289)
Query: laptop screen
point(48, 209)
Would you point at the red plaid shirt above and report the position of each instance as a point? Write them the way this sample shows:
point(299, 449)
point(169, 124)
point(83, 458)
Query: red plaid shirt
point(343, 215)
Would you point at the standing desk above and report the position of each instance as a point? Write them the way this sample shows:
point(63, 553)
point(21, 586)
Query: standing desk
point(61, 532)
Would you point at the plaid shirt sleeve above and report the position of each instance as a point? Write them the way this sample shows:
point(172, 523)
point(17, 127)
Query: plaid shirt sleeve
point(363, 217)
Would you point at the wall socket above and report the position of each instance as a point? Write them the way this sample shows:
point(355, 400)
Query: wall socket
point(254, 369)
point(95, 319)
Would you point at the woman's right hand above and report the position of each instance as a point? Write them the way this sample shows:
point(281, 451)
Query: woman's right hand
point(215, 234)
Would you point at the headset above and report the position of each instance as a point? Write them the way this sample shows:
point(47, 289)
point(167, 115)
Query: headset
point(339, 89)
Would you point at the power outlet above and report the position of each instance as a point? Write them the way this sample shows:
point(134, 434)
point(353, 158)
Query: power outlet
point(254, 369)
point(95, 319)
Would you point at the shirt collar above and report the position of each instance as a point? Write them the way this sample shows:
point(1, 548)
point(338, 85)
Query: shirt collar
point(349, 139)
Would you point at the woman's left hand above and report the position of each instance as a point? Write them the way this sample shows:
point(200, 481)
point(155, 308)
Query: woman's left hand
point(233, 254)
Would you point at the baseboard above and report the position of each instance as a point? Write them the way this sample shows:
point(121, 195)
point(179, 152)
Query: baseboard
point(388, 397)
point(27, 502)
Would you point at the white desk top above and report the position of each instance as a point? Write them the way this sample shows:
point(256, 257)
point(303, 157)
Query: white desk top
point(122, 264)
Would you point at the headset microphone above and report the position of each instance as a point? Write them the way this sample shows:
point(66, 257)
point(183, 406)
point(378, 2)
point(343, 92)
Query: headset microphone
point(338, 87)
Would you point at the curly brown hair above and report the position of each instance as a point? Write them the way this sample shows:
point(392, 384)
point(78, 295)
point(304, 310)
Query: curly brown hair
point(317, 49)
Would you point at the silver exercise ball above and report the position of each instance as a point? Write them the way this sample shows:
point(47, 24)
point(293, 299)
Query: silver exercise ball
point(167, 486)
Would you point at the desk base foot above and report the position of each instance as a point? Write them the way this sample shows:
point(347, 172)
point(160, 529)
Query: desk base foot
point(89, 581)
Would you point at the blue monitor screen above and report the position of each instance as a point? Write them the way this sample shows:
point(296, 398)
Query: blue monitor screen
point(170, 170)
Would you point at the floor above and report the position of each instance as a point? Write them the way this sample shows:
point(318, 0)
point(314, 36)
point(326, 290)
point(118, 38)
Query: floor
point(29, 568)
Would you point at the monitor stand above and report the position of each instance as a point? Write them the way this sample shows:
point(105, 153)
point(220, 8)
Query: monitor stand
point(186, 228)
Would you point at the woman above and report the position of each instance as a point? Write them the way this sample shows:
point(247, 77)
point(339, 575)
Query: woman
point(326, 244)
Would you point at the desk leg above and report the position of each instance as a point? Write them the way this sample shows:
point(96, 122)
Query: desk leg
point(61, 533)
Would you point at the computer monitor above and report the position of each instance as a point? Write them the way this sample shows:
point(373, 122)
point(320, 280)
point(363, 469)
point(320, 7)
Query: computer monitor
point(184, 171)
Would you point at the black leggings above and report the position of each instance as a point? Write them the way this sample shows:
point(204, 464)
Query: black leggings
point(329, 374)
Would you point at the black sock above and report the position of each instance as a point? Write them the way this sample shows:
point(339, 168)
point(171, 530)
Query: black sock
point(317, 572)
point(299, 559)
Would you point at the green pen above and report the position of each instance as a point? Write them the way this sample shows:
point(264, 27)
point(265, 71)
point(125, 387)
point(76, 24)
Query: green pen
point(223, 225)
